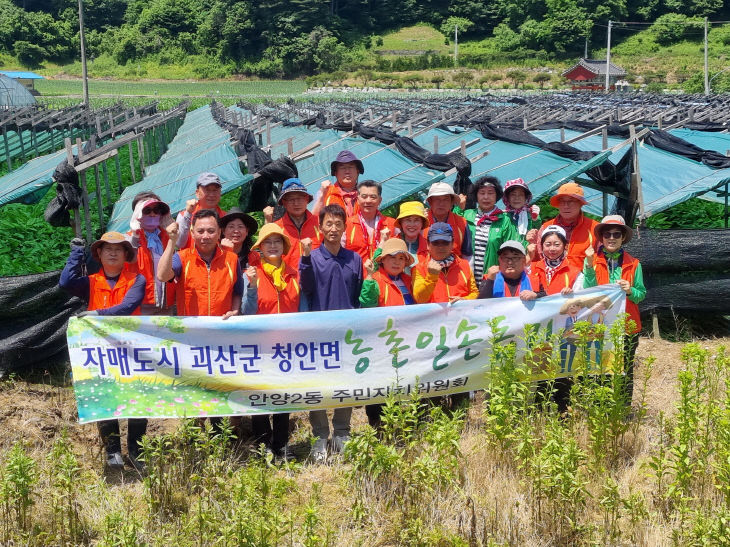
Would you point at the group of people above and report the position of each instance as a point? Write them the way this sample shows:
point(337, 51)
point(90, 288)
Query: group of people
point(346, 254)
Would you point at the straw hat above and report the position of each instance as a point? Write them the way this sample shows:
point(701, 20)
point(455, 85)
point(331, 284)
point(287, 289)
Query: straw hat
point(393, 247)
point(612, 221)
point(114, 238)
point(569, 190)
point(269, 230)
point(411, 209)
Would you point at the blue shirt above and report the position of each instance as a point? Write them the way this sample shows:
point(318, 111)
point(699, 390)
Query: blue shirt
point(331, 282)
point(78, 285)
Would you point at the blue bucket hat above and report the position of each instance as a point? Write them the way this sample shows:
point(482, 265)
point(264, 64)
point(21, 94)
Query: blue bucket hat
point(440, 231)
point(346, 157)
point(294, 185)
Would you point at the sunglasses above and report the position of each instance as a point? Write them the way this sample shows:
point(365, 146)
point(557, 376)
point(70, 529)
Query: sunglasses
point(153, 210)
point(613, 235)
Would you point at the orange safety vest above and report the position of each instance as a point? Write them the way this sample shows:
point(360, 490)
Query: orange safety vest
point(356, 235)
point(272, 300)
point(145, 265)
point(458, 225)
point(628, 269)
point(198, 207)
point(310, 229)
point(455, 282)
point(102, 296)
point(333, 196)
point(390, 294)
point(580, 239)
point(563, 277)
point(204, 290)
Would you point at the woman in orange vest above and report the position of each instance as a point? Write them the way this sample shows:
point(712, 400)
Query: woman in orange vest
point(554, 273)
point(113, 290)
point(237, 230)
point(612, 264)
point(150, 217)
point(278, 292)
point(389, 285)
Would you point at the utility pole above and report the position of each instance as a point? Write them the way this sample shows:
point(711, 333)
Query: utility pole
point(84, 72)
point(456, 44)
point(608, 57)
point(707, 74)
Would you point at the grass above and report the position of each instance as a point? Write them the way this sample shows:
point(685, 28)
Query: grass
point(177, 89)
point(414, 40)
point(504, 473)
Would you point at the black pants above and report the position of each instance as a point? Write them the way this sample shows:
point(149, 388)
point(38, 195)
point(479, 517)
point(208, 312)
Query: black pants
point(109, 431)
point(274, 437)
point(374, 413)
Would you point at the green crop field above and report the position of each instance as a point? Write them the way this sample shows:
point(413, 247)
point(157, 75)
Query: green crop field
point(181, 89)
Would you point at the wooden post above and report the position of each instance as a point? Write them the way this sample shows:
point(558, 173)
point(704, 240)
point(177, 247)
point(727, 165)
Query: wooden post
point(562, 134)
point(655, 326)
point(140, 151)
point(290, 146)
point(99, 201)
point(131, 162)
point(84, 194)
point(77, 216)
point(119, 174)
point(7, 149)
point(435, 144)
point(463, 147)
point(604, 137)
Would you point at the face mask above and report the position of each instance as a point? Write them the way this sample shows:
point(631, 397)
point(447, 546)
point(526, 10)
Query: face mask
point(150, 223)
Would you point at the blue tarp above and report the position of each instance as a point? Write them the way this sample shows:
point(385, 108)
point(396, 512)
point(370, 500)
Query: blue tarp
point(200, 145)
point(29, 183)
point(666, 179)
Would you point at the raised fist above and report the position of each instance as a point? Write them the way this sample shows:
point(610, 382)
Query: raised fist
point(492, 272)
point(369, 268)
point(227, 243)
point(590, 255)
point(190, 205)
point(325, 184)
point(306, 244)
point(531, 236)
point(77, 242)
point(172, 231)
point(434, 268)
point(268, 214)
point(384, 234)
point(252, 275)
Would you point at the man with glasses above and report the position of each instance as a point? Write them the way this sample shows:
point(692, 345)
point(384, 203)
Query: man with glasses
point(511, 279)
point(298, 223)
point(578, 228)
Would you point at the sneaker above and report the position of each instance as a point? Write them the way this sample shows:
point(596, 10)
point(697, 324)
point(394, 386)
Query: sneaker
point(318, 454)
point(114, 460)
point(338, 443)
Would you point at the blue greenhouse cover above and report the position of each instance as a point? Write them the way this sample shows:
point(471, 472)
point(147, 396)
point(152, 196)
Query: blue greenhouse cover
point(200, 145)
